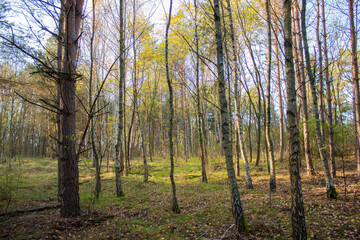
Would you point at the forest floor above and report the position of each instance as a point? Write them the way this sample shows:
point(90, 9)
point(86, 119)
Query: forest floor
point(144, 212)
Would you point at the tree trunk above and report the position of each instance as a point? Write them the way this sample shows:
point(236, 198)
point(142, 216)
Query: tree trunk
point(143, 146)
point(175, 205)
point(297, 205)
point(249, 133)
point(303, 95)
point(355, 80)
point(70, 206)
point(330, 188)
point(198, 103)
point(60, 61)
point(268, 115)
point(238, 124)
point(119, 152)
point(238, 213)
point(281, 112)
point(321, 75)
point(328, 95)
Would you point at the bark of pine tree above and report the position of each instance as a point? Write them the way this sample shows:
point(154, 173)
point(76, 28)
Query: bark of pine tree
point(237, 210)
point(69, 169)
point(330, 188)
point(297, 206)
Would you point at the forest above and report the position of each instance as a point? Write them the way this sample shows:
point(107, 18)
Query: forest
point(179, 119)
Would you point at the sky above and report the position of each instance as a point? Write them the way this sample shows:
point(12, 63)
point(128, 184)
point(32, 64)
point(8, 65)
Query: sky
point(161, 5)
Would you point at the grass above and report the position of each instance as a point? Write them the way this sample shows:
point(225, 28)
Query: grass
point(145, 211)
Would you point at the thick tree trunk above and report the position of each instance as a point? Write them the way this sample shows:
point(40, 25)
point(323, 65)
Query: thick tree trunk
point(175, 205)
point(268, 112)
point(330, 188)
point(297, 206)
point(70, 206)
point(238, 212)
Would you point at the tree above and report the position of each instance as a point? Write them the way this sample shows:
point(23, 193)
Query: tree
point(237, 210)
point(119, 152)
point(330, 188)
point(175, 205)
point(300, 74)
point(238, 124)
point(198, 103)
point(328, 94)
point(268, 96)
point(355, 80)
point(297, 206)
point(69, 170)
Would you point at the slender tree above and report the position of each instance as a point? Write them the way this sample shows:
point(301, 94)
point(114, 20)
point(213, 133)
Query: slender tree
point(268, 96)
point(302, 93)
point(330, 188)
point(238, 212)
point(238, 123)
point(297, 206)
point(119, 152)
point(355, 80)
point(281, 112)
point(198, 103)
point(60, 61)
point(328, 94)
point(175, 205)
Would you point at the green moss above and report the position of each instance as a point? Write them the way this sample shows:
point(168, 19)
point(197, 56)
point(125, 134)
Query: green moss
point(243, 227)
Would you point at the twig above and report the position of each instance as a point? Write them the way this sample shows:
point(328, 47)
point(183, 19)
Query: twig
point(227, 230)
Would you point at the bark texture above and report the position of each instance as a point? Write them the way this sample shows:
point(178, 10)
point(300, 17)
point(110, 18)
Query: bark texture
point(237, 210)
point(69, 169)
point(297, 206)
point(119, 148)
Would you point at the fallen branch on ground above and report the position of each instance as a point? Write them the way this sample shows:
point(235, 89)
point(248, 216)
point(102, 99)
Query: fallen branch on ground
point(21, 211)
